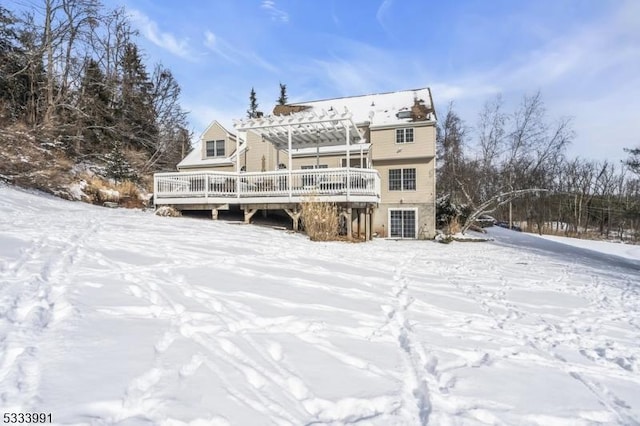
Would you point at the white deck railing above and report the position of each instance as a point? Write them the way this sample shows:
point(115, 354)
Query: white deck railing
point(346, 182)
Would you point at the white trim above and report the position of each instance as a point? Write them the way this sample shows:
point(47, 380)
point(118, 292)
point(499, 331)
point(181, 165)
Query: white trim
point(215, 149)
point(404, 135)
point(402, 189)
point(415, 226)
point(304, 128)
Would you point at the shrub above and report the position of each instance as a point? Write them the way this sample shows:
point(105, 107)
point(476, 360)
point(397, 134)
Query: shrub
point(320, 220)
point(168, 212)
point(127, 189)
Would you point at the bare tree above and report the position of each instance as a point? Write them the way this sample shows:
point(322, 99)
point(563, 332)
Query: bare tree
point(518, 154)
point(449, 150)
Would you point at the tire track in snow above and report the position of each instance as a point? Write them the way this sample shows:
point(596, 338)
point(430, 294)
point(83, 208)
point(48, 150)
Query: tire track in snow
point(36, 302)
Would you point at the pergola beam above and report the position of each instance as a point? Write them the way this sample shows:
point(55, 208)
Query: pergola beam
point(306, 128)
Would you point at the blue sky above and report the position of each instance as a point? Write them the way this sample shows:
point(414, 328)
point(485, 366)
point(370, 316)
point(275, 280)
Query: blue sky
point(583, 55)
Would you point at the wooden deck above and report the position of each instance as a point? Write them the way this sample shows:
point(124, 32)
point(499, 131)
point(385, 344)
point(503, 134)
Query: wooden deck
point(282, 187)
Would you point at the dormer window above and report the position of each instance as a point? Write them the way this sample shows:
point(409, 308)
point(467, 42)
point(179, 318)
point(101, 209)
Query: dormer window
point(215, 148)
point(404, 135)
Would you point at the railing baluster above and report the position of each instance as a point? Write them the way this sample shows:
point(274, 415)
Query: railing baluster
point(322, 182)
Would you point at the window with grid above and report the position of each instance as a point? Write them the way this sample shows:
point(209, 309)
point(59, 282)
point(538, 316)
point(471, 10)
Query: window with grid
point(215, 148)
point(404, 135)
point(402, 223)
point(402, 179)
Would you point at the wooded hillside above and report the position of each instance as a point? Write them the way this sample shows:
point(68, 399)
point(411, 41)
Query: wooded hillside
point(76, 93)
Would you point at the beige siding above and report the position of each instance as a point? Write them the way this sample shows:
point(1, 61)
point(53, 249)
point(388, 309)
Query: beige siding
point(422, 198)
point(426, 225)
point(331, 161)
point(214, 133)
point(258, 148)
point(425, 188)
point(385, 146)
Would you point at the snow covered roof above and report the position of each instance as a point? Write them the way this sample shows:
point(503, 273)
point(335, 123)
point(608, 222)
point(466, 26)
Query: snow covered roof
point(379, 109)
point(194, 159)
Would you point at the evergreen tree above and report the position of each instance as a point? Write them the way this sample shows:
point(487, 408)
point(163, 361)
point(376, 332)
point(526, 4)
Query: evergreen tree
point(282, 100)
point(252, 112)
point(137, 116)
point(96, 118)
point(118, 168)
point(13, 80)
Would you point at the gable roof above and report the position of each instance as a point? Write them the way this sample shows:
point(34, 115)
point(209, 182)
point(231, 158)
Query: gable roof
point(194, 158)
point(378, 109)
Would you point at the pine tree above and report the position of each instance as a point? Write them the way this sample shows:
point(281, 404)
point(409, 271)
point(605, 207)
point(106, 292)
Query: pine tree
point(96, 119)
point(118, 168)
point(282, 100)
point(137, 116)
point(13, 80)
point(252, 112)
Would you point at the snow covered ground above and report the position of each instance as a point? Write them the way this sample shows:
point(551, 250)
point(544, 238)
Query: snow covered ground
point(121, 317)
point(628, 251)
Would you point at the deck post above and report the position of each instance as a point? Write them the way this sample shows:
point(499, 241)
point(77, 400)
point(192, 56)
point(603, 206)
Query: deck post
point(214, 214)
point(290, 166)
point(348, 163)
point(347, 214)
point(295, 217)
point(238, 164)
point(248, 214)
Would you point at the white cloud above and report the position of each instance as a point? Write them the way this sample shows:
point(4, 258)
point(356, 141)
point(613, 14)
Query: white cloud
point(382, 11)
point(219, 46)
point(276, 14)
point(165, 40)
point(589, 74)
point(233, 54)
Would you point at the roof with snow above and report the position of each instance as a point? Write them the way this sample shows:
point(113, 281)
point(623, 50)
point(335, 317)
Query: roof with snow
point(194, 159)
point(379, 109)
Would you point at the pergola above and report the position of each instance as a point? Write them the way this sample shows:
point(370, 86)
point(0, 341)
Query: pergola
point(302, 130)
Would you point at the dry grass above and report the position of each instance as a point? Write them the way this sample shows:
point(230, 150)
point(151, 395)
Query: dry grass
point(453, 227)
point(127, 189)
point(320, 220)
point(124, 193)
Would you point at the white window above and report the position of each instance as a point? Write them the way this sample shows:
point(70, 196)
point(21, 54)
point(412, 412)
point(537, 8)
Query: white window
point(215, 148)
point(403, 223)
point(402, 179)
point(404, 135)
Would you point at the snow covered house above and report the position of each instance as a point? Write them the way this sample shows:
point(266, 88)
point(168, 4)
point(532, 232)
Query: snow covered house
point(372, 155)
